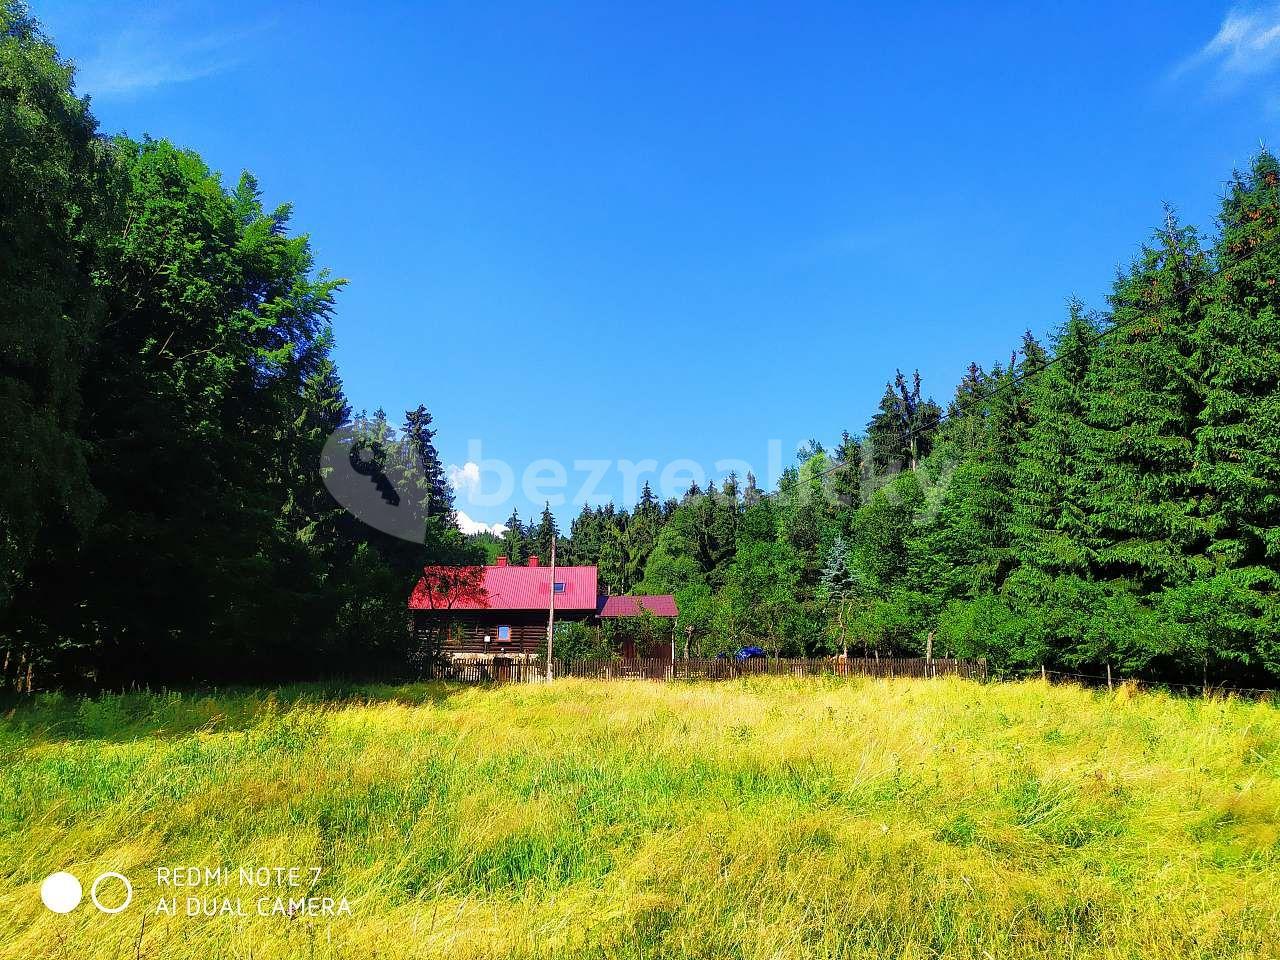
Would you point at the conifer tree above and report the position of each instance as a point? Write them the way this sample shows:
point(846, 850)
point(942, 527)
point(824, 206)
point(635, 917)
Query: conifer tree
point(611, 566)
point(582, 547)
point(641, 534)
point(843, 587)
point(1143, 404)
point(1049, 516)
point(899, 434)
point(1237, 447)
point(547, 532)
point(962, 548)
point(421, 468)
point(514, 547)
point(1051, 546)
point(845, 482)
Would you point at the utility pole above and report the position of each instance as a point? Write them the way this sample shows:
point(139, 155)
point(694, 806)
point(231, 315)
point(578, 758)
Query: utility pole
point(551, 606)
point(673, 649)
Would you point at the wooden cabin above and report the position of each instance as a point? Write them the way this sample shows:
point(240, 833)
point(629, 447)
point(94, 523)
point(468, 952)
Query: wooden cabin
point(502, 610)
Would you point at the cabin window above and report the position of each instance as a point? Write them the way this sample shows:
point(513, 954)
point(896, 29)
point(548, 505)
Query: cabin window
point(559, 587)
point(504, 633)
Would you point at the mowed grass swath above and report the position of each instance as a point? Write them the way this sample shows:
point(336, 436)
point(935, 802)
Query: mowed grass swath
point(757, 818)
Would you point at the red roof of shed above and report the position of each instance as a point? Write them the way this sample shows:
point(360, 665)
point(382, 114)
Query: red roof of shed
point(660, 605)
point(521, 588)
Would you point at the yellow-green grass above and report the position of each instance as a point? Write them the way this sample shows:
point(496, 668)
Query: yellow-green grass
point(757, 818)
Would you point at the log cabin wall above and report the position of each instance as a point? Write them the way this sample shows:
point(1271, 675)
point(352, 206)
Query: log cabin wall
point(528, 629)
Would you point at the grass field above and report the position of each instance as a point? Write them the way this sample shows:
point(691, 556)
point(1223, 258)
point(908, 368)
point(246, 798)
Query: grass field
point(758, 818)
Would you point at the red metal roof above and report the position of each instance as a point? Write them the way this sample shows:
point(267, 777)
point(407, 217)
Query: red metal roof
point(660, 605)
point(519, 588)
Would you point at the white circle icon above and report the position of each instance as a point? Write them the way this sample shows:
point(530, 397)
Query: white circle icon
point(93, 891)
point(61, 892)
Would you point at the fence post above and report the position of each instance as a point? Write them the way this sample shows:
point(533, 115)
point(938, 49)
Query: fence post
point(1043, 676)
point(1108, 676)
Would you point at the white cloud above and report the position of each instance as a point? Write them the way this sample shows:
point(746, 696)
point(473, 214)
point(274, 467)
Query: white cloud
point(469, 526)
point(1247, 44)
point(465, 478)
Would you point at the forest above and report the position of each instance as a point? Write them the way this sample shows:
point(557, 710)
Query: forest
point(1108, 497)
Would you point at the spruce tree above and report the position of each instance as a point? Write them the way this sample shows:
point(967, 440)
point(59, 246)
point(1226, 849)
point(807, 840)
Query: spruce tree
point(962, 547)
point(845, 482)
point(1049, 527)
point(899, 434)
point(843, 587)
point(421, 468)
point(1143, 403)
point(514, 547)
point(1237, 448)
point(582, 547)
point(546, 533)
point(1052, 549)
point(641, 534)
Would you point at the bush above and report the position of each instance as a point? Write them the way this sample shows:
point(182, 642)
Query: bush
point(578, 641)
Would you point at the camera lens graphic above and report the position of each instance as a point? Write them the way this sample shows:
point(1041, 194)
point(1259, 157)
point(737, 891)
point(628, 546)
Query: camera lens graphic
point(61, 892)
point(128, 892)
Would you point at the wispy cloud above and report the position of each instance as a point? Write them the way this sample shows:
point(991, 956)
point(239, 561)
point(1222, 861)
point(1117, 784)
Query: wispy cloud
point(112, 75)
point(151, 52)
point(1247, 45)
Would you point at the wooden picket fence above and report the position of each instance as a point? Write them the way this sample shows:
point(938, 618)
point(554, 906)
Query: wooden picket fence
point(709, 669)
point(487, 672)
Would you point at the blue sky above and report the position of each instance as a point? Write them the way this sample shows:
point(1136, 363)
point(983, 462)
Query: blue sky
point(662, 232)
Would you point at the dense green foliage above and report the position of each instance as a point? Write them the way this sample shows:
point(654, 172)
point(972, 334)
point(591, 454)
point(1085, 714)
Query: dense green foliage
point(167, 390)
point(51, 175)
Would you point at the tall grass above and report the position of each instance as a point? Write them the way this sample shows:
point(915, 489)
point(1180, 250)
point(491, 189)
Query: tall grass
point(757, 818)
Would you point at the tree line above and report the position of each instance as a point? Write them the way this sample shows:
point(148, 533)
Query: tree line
point(1111, 498)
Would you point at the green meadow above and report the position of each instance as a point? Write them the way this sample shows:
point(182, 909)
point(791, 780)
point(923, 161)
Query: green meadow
point(762, 818)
